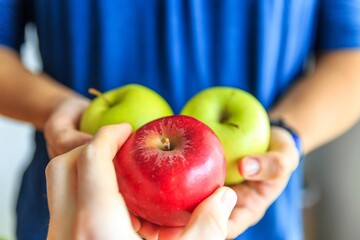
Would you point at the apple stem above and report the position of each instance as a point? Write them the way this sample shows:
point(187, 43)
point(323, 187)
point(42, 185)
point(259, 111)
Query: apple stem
point(99, 94)
point(166, 144)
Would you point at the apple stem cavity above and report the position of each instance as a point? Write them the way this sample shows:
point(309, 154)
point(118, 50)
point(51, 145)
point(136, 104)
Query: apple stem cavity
point(99, 94)
point(225, 119)
point(166, 146)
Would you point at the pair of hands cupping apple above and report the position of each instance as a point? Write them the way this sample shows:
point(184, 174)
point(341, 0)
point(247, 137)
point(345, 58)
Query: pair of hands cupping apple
point(171, 163)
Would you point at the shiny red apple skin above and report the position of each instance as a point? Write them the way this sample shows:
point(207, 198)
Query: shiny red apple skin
point(164, 186)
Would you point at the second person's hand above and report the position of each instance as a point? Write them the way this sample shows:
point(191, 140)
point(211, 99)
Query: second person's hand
point(266, 176)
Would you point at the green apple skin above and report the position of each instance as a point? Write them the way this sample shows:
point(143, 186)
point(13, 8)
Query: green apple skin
point(238, 119)
point(133, 103)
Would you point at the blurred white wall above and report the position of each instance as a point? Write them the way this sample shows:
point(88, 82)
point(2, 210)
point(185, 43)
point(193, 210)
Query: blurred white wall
point(333, 173)
point(16, 147)
point(15, 152)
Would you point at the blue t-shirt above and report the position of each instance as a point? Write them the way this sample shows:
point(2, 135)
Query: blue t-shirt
point(178, 48)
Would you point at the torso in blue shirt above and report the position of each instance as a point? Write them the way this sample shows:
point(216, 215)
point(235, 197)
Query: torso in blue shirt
point(176, 48)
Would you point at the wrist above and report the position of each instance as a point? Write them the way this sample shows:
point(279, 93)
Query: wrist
point(279, 122)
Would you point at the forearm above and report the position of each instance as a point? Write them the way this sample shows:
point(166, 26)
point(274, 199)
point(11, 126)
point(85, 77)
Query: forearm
point(26, 96)
point(325, 103)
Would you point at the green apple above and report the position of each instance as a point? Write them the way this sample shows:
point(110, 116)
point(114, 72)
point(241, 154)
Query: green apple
point(238, 119)
point(133, 103)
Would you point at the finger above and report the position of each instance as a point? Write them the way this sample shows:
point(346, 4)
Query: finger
point(65, 140)
point(61, 192)
point(170, 233)
point(101, 205)
point(254, 198)
point(60, 130)
point(241, 220)
point(149, 231)
point(279, 162)
point(107, 219)
point(250, 207)
point(96, 172)
point(270, 166)
point(135, 222)
point(62, 136)
point(209, 220)
point(60, 176)
point(154, 232)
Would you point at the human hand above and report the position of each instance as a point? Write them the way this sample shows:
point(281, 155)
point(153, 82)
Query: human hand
point(266, 177)
point(83, 196)
point(264, 183)
point(84, 200)
point(61, 129)
point(208, 220)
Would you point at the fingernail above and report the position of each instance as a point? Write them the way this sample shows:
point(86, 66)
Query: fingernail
point(251, 166)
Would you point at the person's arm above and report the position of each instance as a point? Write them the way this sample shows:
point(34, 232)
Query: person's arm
point(41, 101)
point(319, 107)
point(27, 96)
point(35, 98)
point(325, 103)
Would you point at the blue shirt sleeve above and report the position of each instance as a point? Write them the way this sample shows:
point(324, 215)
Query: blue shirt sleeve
point(12, 22)
point(339, 25)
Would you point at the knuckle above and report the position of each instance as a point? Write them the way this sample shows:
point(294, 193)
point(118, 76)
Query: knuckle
point(61, 142)
point(279, 166)
point(89, 152)
point(105, 130)
point(54, 166)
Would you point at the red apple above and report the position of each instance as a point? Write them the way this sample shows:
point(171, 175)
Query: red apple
point(167, 167)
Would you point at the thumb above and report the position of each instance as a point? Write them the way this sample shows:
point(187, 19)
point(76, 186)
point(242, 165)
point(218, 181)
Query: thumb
point(281, 159)
point(269, 166)
point(209, 219)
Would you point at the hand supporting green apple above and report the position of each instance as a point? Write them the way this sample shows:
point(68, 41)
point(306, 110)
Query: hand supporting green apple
point(133, 103)
point(237, 118)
